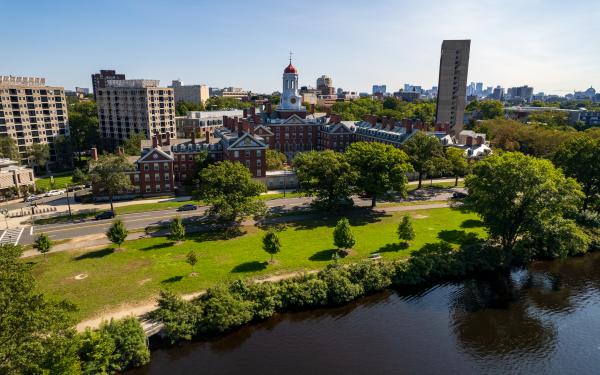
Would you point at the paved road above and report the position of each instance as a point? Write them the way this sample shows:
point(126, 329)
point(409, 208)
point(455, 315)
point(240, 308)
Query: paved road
point(87, 227)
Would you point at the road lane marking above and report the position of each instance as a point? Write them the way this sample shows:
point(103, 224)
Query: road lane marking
point(2, 236)
point(19, 236)
point(31, 231)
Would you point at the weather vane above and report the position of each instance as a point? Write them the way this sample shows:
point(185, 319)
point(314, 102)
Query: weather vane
point(291, 53)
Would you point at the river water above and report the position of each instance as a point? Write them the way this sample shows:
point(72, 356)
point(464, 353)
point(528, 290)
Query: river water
point(540, 320)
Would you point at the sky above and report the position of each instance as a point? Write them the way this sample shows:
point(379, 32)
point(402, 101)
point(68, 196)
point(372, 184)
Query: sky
point(550, 45)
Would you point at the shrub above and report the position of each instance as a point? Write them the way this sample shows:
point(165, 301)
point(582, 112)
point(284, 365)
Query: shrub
point(223, 310)
point(129, 338)
point(370, 275)
point(180, 318)
point(96, 352)
point(339, 287)
point(343, 238)
point(308, 291)
point(558, 238)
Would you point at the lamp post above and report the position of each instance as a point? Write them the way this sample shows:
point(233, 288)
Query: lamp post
point(68, 202)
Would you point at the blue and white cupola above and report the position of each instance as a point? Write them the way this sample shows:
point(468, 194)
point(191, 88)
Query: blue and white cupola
point(290, 100)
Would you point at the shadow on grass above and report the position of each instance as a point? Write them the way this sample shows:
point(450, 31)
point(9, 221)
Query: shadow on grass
point(459, 237)
point(392, 248)
point(158, 246)
point(172, 279)
point(323, 255)
point(95, 254)
point(253, 266)
point(358, 216)
point(472, 223)
point(216, 232)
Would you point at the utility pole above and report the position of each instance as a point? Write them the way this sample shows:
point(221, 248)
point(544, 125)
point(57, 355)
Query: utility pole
point(69, 203)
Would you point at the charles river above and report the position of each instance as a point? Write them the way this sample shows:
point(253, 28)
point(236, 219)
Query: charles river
point(540, 320)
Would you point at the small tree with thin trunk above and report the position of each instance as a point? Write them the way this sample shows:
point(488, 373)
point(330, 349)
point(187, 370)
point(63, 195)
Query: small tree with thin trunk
point(177, 229)
point(271, 244)
point(406, 232)
point(42, 244)
point(117, 233)
point(191, 259)
point(343, 238)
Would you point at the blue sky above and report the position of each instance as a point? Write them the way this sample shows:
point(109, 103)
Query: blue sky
point(550, 45)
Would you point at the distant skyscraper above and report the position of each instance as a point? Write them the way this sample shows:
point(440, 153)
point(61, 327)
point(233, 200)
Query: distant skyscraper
point(452, 83)
point(325, 85)
point(379, 89)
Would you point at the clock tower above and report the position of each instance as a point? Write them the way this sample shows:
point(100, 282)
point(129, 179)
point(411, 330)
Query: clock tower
point(290, 100)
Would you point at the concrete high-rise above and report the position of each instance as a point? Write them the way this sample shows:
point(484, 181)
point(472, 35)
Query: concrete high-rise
point(135, 106)
point(325, 85)
point(31, 112)
point(197, 94)
point(100, 79)
point(452, 83)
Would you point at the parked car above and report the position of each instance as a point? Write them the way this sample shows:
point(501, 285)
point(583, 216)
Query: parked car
point(75, 188)
point(32, 198)
point(187, 207)
point(105, 215)
point(53, 193)
point(459, 195)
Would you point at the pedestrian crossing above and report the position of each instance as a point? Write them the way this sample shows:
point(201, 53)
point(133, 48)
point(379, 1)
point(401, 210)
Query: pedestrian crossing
point(11, 236)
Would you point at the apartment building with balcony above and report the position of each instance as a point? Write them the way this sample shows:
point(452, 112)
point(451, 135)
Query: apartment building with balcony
point(31, 112)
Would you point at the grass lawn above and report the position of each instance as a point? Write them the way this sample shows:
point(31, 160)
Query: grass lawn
point(439, 185)
point(61, 180)
point(148, 265)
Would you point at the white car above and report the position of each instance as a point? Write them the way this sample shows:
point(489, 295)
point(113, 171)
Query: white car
point(32, 198)
point(53, 193)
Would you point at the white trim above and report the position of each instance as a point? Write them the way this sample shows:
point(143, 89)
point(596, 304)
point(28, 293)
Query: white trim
point(2, 236)
point(142, 159)
point(19, 236)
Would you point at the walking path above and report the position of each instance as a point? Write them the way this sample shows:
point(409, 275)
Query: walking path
point(139, 310)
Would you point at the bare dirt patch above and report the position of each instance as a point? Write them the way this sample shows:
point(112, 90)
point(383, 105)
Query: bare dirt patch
point(144, 281)
point(417, 216)
point(81, 276)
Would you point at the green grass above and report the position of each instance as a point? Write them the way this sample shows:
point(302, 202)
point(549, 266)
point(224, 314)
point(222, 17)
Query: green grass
point(148, 265)
point(144, 207)
point(436, 185)
point(61, 180)
point(268, 197)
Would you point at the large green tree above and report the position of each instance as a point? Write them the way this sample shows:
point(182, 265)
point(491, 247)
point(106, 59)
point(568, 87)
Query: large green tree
point(230, 191)
point(9, 148)
point(132, 145)
point(580, 158)
point(83, 126)
point(343, 238)
point(326, 175)
point(487, 109)
point(108, 175)
point(379, 168)
point(425, 153)
point(39, 155)
point(36, 333)
point(271, 243)
point(516, 194)
point(456, 162)
point(63, 149)
point(117, 233)
point(275, 160)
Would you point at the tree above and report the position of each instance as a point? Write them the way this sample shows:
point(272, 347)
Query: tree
point(406, 232)
point(36, 333)
point(63, 149)
point(457, 163)
point(131, 349)
point(42, 244)
point(271, 243)
point(132, 144)
point(182, 108)
point(580, 158)
point(191, 259)
point(83, 126)
point(177, 229)
point(325, 174)
point(487, 109)
point(424, 153)
point(9, 148)
point(117, 233)
point(343, 238)
point(516, 194)
point(108, 175)
point(275, 160)
point(379, 168)
point(79, 176)
point(230, 191)
point(39, 154)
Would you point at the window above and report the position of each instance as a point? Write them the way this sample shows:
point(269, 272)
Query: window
point(166, 177)
point(247, 153)
point(258, 163)
point(157, 189)
point(236, 154)
point(258, 173)
point(248, 164)
point(156, 166)
point(147, 188)
point(167, 187)
point(258, 153)
point(166, 166)
point(146, 167)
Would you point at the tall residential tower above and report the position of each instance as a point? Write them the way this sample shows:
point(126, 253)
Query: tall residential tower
point(452, 83)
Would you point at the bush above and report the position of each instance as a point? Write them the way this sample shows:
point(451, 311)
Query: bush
point(223, 310)
point(180, 318)
point(558, 238)
point(305, 292)
point(131, 349)
point(96, 352)
point(339, 287)
point(371, 276)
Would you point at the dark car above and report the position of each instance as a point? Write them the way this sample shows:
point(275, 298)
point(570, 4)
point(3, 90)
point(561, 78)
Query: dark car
point(459, 195)
point(105, 215)
point(187, 207)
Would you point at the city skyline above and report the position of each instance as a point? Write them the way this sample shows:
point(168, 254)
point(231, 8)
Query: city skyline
point(536, 44)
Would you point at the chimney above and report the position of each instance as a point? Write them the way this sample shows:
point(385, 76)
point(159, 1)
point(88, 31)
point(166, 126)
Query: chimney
point(194, 136)
point(268, 108)
point(469, 141)
point(408, 126)
point(167, 139)
point(373, 120)
point(312, 109)
point(154, 141)
point(479, 140)
point(245, 126)
point(207, 135)
point(392, 124)
point(94, 153)
point(257, 119)
point(252, 111)
point(245, 112)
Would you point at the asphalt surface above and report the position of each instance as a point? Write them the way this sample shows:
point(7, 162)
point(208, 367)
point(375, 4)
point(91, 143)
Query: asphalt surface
point(137, 221)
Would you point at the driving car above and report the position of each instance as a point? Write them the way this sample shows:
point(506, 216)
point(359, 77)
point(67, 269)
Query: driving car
point(105, 215)
point(32, 198)
point(53, 193)
point(187, 207)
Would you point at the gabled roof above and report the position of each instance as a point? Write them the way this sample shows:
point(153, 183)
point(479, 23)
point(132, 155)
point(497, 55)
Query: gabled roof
point(154, 151)
point(294, 119)
point(246, 140)
point(263, 128)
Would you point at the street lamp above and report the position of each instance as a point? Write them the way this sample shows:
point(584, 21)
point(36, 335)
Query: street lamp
point(68, 202)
